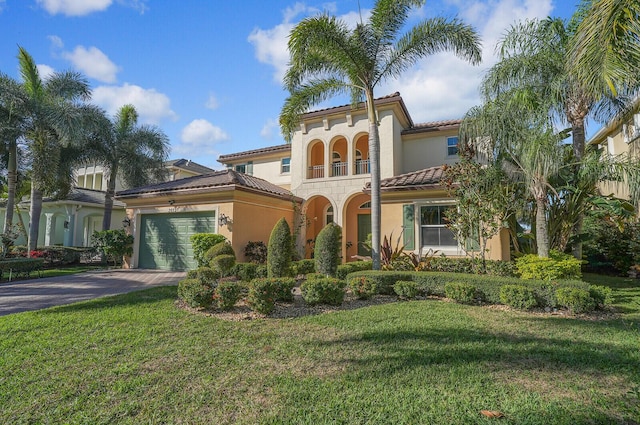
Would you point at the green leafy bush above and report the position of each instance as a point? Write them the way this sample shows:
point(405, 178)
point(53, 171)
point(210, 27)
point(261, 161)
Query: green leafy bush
point(201, 242)
point(279, 250)
point(556, 266)
point(226, 295)
point(406, 289)
point(245, 271)
point(518, 296)
point(256, 252)
point(384, 280)
point(223, 264)
point(222, 248)
point(472, 265)
point(355, 266)
point(602, 295)
point(304, 267)
point(262, 295)
point(610, 247)
point(282, 287)
point(206, 275)
point(20, 266)
point(262, 271)
point(114, 244)
point(327, 249)
point(323, 291)
point(196, 293)
point(575, 299)
point(460, 292)
point(362, 287)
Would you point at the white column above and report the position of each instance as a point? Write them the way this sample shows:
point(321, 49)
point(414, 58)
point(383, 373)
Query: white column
point(50, 229)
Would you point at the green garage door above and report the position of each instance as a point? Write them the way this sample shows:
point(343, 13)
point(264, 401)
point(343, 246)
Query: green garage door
point(164, 239)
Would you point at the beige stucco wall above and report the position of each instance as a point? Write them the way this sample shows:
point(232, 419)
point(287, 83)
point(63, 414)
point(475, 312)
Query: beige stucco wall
point(425, 150)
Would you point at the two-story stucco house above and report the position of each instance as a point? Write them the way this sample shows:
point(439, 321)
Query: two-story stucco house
point(325, 172)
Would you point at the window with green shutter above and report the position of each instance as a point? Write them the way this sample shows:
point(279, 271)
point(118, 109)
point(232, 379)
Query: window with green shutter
point(408, 230)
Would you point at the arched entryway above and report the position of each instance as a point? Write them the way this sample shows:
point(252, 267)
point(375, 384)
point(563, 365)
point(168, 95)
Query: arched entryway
point(318, 212)
point(357, 226)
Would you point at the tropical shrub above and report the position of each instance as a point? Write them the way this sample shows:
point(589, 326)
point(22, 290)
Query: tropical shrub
point(201, 242)
point(602, 295)
point(279, 250)
point(196, 293)
point(406, 289)
point(223, 264)
point(575, 299)
point(226, 295)
point(114, 244)
point(463, 293)
point(518, 296)
point(327, 249)
point(304, 267)
point(609, 246)
point(262, 295)
point(556, 266)
point(362, 287)
point(323, 291)
point(256, 252)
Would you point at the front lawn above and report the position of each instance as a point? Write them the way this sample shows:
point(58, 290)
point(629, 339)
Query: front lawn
point(137, 358)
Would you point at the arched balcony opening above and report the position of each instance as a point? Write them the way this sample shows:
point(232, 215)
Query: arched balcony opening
point(339, 157)
point(361, 163)
point(315, 160)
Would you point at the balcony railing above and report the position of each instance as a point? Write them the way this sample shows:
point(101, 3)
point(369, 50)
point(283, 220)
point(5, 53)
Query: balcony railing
point(315, 172)
point(362, 166)
point(338, 169)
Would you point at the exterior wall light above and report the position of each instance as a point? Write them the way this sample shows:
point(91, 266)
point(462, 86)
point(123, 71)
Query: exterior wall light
point(224, 220)
point(126, 222)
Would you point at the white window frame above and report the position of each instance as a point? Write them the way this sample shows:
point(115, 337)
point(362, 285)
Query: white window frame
point(287, 165)
point(455, 155)
point(443, 249)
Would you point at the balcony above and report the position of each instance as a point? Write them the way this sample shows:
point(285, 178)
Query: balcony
point(338, 169)
point(362, 167)
point(315, 172)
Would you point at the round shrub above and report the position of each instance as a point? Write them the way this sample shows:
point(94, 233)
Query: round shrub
point(406, 289)
point(460, 292)
point(602, 295)
point(195, 293)
point(323, 291)
point(575, 299)
point(518, 296)
point(245, 271)
point(279, 250)
point(223, 248)
point(201, 242)
point(363, 287)
point(261, 271)
point(556, 266)
point(205, 275)
point(223, 264)
point(304, 267)
point(262, 296)
point(327, 249)
point(226, 295)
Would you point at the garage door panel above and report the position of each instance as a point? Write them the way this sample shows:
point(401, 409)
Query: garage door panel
point(165, 239)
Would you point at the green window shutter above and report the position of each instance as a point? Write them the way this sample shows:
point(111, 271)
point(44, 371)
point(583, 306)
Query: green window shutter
point(408, 231)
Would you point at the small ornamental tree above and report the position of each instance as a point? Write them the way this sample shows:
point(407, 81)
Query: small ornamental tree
point(279, 250)
point(114, 244)
point(201, 243)
point(327, 249)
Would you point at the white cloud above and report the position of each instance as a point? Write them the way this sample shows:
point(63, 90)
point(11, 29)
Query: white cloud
point(269, 129)
point(93, 62)
point(56, 42)
point(212, 102)
point(45, 71)
point(152, 106)
point(199, 139)
point(74, 7)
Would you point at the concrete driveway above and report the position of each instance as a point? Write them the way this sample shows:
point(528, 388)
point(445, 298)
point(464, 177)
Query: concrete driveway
point(36, 294)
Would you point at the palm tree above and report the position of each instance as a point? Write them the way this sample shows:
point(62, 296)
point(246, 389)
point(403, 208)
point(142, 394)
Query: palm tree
point(328, 58)
point(135, 153)
point(55, 118)
point(605, 53)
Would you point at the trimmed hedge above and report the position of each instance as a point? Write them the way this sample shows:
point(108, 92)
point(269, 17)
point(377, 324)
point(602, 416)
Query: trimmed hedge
point(576, 300)
point(20, 266)
point(323, 291)
point(201, 242)
point(196, 293)
point(279, 250)
point(461, 292)
point(327, 249)
point(246, 272)
point(406, 289)
point(354, 266)
point(303, 267)
point(472, 265)
point(362, 287)
point(518, 296)
point(226, 295)
point(556, 266)
point(223, 264)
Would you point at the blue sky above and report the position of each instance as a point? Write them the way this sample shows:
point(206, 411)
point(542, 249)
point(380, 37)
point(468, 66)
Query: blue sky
point(208, 72)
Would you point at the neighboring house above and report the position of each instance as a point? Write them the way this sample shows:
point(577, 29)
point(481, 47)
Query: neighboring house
point(618, 138)
point(325, 170)
point(72, 221)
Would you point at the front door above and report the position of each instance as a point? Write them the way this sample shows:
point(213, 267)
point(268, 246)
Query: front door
point(364, 229)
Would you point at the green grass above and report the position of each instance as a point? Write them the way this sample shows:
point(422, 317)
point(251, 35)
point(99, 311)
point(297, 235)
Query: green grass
point(136, 358)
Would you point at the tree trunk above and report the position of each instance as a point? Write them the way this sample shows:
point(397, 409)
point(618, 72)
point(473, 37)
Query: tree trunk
point(108, 198)
point(578, 151)
point(374, 156)
point(12, 177)
point(542, 233)
point(34, 219)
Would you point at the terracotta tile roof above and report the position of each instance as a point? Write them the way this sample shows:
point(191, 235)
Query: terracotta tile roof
point(416, 180)
point(433, 126)
point(212, 182)
point(255, 152)
point(187, 164)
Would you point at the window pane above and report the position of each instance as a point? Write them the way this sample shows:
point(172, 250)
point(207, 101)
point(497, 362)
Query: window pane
point(447, 237)
point(430, 236)
point(452, 146)
point(429, 216)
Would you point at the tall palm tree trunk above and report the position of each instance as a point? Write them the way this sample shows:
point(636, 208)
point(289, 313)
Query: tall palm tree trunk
point(12, 177)
point(579, 138)
point(108, 198)
point(374, 155)
point(34, 220)
point(542, 233)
